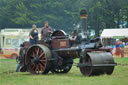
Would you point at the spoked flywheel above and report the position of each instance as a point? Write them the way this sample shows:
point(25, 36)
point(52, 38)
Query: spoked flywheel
point(37, 59)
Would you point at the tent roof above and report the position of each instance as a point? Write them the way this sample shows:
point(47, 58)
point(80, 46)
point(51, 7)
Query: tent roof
point(115, 33)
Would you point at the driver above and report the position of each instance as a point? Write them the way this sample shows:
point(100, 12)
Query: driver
point(46, 30)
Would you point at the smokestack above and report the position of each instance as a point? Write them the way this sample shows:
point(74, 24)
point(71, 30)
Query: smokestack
point(83, 19)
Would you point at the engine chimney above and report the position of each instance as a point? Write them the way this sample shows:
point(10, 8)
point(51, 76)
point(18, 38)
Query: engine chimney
point(83, 19)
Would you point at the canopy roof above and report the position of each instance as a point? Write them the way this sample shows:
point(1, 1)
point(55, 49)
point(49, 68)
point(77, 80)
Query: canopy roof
point(115, 33)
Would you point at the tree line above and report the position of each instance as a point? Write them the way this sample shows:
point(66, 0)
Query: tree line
point(63, 14)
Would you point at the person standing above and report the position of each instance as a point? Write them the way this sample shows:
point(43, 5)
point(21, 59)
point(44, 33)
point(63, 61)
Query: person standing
point(33, 35)
point(45, 31)
point(19, 63)
point(20, 57)
point(118, 48)
point(122, 49)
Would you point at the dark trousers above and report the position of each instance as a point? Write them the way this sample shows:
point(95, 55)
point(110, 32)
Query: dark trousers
point(18, 67)
point(33, 41)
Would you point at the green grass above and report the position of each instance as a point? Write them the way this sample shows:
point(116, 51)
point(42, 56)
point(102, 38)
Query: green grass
point(8, 76)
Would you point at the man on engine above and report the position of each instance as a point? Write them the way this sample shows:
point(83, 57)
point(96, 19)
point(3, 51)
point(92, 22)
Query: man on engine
point(46, 30)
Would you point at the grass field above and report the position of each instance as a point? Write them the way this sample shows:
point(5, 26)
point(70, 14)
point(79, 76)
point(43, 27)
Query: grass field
point(8, 76)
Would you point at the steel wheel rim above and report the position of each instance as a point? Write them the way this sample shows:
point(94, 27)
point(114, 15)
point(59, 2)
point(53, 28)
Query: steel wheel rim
point(110, 71)
point(87, 71)
point(37, 60)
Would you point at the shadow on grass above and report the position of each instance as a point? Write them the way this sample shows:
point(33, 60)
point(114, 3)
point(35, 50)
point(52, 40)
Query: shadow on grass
point(70, 74)
point(55, 74)
point(8, 72)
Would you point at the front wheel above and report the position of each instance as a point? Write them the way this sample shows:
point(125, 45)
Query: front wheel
point(62, 65)
point(66, 69)
point(86, 71)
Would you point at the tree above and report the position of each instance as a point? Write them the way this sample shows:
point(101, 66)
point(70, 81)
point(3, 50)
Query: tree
point(63, 14)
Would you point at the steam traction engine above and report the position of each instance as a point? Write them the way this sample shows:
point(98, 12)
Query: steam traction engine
point(56, 54)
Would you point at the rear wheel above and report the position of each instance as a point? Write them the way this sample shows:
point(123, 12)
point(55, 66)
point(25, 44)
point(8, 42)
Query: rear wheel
point(37, 59)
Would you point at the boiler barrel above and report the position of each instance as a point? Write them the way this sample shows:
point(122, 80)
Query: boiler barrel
point(69, 52)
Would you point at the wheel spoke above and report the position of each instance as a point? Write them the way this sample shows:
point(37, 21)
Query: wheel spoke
point(42, 64)
point(35, 50)
point(33, 53)
point(41, 55)
point(44, 58)
point(33, 67)
point(41, 67)
point(37, 68)
point(32, 56)
point(43, 61)
point(38, 51)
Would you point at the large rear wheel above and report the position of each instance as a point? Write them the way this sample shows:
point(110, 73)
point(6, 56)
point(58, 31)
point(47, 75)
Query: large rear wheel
point(37, 59)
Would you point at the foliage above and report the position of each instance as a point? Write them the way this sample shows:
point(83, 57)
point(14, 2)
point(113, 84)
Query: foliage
point(63, 14)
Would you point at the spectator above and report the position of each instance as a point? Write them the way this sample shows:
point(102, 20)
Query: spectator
point(127, 43)
point(33, 35)
point(45, 31)
point(20, 57)
point(122, 48)
point(117, 43)
point(117, 49)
